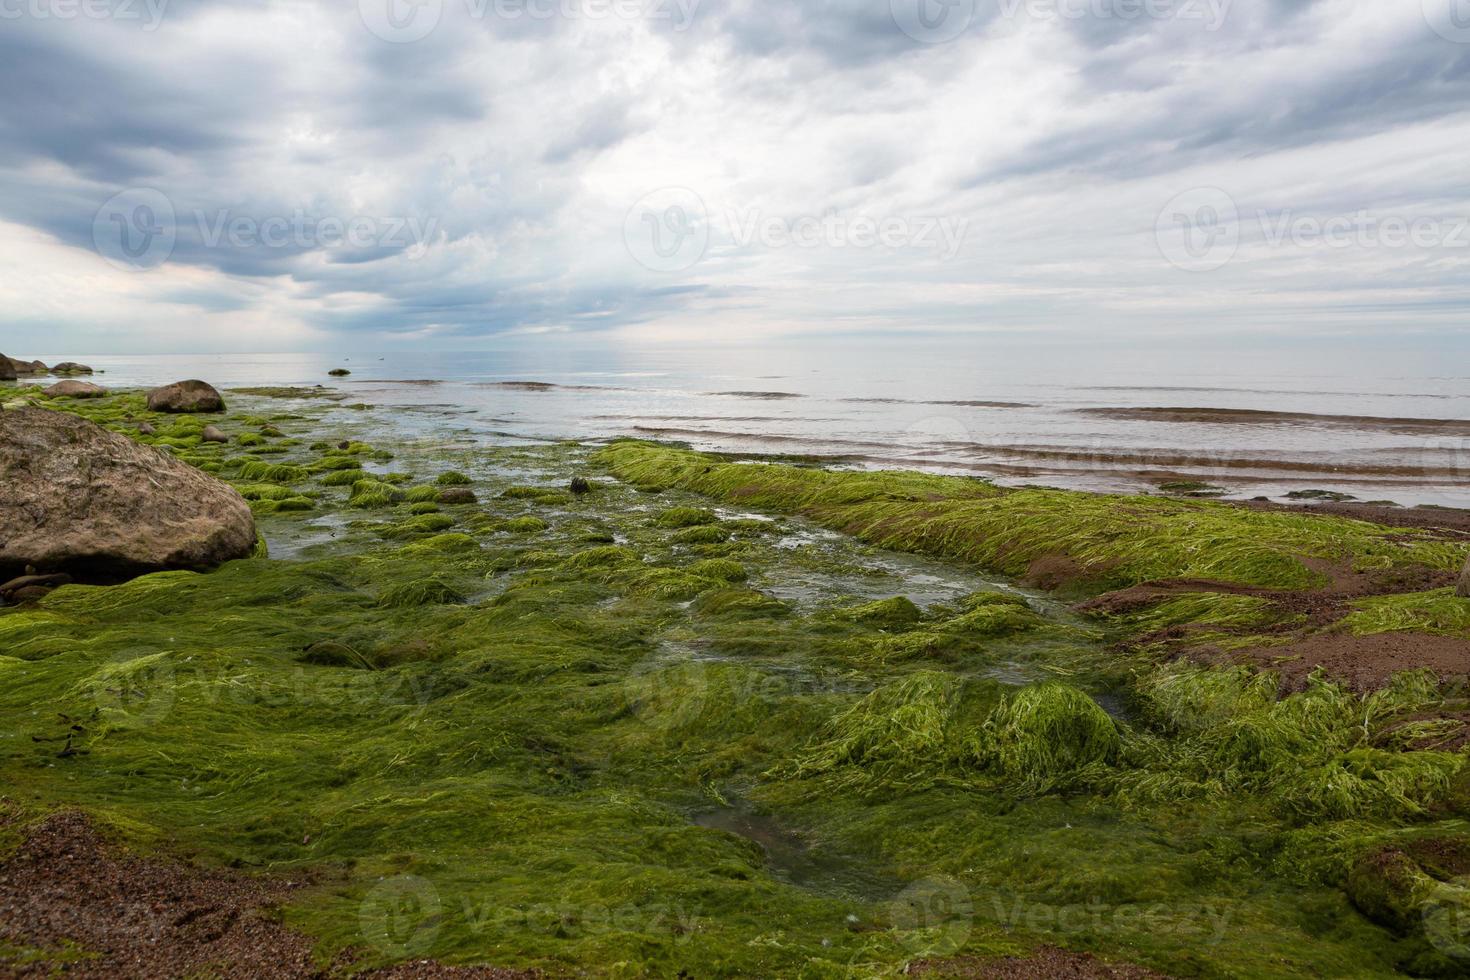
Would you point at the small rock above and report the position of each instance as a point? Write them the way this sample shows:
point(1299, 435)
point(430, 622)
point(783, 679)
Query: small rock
point(70, 367)
point(344, 444)
point(74, 389)
point(186, 396)
point(339, 372)
point(456, 495)
point(211, 434)
point(1463, 590)
point(580, 485)
point(31, 593)
point(145, 429)
point(31, 580)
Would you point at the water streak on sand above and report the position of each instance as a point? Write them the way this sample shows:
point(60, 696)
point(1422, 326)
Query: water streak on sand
point(1249, 416)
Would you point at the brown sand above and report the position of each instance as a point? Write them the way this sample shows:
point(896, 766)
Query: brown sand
point(80, 905)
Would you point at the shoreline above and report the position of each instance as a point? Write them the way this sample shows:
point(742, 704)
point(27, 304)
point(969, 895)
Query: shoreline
point(1376, 448)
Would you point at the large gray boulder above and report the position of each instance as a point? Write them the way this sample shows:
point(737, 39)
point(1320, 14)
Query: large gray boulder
point(77, 498)
point(186, 396)
point(7, 369)
point(1464, 588)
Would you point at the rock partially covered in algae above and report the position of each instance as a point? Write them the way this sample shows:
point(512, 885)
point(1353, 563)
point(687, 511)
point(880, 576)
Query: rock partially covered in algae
point(97, 504)
point(1463, 591)
point(192, 395)
point(74, 389)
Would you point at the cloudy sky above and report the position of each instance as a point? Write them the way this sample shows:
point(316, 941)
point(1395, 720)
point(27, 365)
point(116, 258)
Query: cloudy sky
point(288, 174)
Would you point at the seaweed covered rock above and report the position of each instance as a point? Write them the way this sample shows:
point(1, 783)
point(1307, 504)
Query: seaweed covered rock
point(70, 367)
point(1463, 590)
point(1382, 886)
point(74, 389)
point(455, 495)
point(78, 498)
point(186, 396)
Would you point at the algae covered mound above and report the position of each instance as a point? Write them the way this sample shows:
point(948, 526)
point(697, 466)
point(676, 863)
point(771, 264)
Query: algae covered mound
point(1102, 540)
point(620, 734)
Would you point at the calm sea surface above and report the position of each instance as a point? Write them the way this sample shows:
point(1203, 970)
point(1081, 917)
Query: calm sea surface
point(1376, 428)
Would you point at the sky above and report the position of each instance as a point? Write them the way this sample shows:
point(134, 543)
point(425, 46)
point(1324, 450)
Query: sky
point(277, 175)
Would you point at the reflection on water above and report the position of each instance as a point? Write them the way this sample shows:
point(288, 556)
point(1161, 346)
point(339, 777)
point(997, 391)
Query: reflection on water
point(1371, 428)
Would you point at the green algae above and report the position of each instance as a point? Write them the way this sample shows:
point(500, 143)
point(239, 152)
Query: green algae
point(676, 517)
point(1440, 612)
point(515, 735)
point(452, 478)
point(374, 493)
point(701, 534)
point(422, 593)
point(259, 470)
point(1114, 540)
